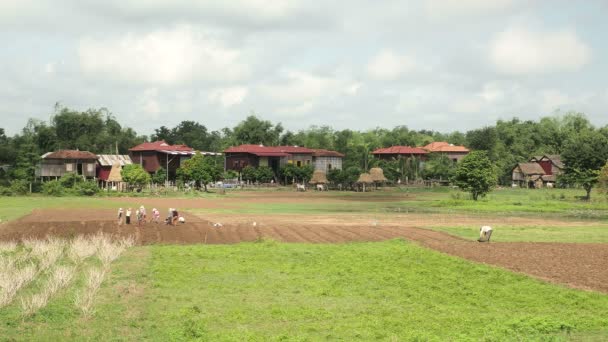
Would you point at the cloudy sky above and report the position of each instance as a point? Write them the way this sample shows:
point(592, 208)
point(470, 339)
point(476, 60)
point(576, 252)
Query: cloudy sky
point(435, 64)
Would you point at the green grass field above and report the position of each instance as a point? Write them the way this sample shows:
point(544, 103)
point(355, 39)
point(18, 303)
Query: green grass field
point(272, 292)
point(269, 291)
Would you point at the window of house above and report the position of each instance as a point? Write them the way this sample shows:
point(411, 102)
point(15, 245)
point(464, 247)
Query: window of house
point(90, 167)
point(299, 163)
point(329, 166)
point(308, 162)
point(69, 167)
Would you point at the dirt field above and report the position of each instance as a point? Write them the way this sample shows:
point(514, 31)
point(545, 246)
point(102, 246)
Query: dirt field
point(576, 265)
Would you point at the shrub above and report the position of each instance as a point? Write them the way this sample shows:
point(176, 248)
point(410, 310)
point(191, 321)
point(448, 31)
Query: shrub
point(53, 188)
point(264, 174)
point(248, 173)
point(20, 187)
point(87, 189)
point(4, 191)
point(70, 179)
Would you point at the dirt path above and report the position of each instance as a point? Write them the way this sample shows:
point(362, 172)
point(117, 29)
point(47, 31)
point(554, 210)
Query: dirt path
point(573, 264)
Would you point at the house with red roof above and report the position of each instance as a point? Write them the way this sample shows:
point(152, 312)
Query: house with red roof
point(154, 155)
point(454, 152)
point(238, 157)
point(400, 152)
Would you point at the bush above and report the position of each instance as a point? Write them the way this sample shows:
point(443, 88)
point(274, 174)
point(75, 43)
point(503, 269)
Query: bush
point(264, 174)
point(53, 188)
point(5, 191)
point(87, 189)
point(20, 187)
point(230, 174)
point(70, 179)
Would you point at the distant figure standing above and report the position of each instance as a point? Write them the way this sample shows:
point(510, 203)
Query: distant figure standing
point(485, 233)
point(120, 213)
point(128, 216)
point(142, 211)
point(156, 215)
point(139, 217)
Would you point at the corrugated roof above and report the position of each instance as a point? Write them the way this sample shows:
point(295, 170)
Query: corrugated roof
point(269, 151)
point(556, 159)
point(69, 154)
point(531, 168)
point(400, 150)
point(111, 159)
point(442, 146)
point(160, 146)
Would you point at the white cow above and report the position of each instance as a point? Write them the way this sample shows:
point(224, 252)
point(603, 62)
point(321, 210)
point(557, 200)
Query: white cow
point(550, 185)
point(320, 187)
point(300, 187)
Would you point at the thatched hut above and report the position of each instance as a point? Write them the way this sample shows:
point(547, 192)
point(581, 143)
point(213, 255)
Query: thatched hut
point(364, 179)
point(115, 177)
point(318, 177)
point(377, 175)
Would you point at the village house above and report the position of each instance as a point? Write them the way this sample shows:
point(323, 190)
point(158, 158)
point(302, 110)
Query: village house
point(539, 171)
point(109, 167)
point(53, 165)
point(154, 155)
point(453, 152)
point(238, 157)
point(401, 152)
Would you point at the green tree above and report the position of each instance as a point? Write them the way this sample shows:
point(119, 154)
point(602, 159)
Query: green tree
point(584, 155)
point(255, 131)
point(70, 179)
point(602, 180)
point(475, 174)
point(248, 173)
point(135, 175)
point(264, 174)
point(200, 169)
point(439, 166)
point(160, 176)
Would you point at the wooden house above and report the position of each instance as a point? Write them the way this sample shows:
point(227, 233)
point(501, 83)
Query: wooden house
point(154, 155)
point(453, 152)
point(538, 172)
point(53, 165)
point(238, 157)
point(401, 152)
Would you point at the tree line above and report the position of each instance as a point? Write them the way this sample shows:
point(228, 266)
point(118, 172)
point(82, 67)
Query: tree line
point(506, 143)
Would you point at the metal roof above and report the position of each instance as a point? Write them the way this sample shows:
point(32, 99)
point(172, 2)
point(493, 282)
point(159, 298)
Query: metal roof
point(111, 159)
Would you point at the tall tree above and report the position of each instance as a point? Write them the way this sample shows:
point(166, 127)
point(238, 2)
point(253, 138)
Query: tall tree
point(255, 131)
point(475, 174)
point(584, 155)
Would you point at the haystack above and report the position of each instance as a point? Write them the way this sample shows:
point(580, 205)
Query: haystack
point(115, 175)
point(365, 178)
point(318, 177)
point(377, 174)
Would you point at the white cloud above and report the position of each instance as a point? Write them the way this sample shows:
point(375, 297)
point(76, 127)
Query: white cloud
point(148, 104)
point(447, 8)
point(161, 57)
point(521, 51)
point(387, 66)
point(228, 97)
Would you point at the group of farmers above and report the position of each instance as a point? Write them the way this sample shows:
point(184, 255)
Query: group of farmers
point(141, 216)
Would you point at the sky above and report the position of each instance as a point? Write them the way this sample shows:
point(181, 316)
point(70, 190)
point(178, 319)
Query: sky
point(443, 65)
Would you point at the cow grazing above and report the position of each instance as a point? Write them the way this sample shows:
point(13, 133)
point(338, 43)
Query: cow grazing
point(300, 187)
point(320, 187)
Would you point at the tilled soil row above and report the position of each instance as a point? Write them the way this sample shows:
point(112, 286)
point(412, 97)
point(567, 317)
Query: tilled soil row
point(573, 264)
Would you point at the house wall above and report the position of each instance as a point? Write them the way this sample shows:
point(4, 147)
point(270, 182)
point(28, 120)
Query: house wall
point(518, 175)
point(456, 155)
point(384, 156)
point(237, 161)
point(59, 167)
point(546, 165)
point(304, 159)
point(147, 159)
point(322, 163)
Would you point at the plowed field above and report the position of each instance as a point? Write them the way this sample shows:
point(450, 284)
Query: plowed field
point(573, 264)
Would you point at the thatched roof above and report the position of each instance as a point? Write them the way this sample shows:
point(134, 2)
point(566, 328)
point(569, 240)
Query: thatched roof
point(318, 177)
point(530, 169)
point(115, 175)
point(377, 174)
point(365, 178)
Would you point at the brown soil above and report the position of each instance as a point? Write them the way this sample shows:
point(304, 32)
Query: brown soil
point(573, 264)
